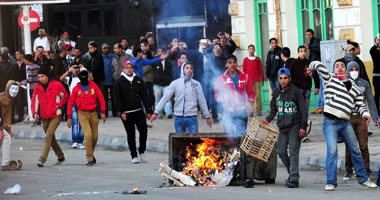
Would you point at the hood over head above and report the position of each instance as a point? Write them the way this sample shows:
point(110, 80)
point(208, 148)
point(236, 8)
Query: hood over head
point(183, 70)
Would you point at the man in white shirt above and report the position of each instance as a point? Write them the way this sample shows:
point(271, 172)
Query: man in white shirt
point(43, 40)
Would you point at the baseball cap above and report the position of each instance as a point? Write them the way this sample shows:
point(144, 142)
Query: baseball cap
point(283, 71)
point(105, 45)
point(128, 62)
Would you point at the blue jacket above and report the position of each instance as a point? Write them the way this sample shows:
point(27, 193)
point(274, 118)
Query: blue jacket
point(139, 64)
point(108, 69)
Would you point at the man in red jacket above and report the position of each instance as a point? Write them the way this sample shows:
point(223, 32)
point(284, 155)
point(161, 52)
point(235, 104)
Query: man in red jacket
point(233, 89)
point(253, 67)
point(49, 97)
point(85, 95)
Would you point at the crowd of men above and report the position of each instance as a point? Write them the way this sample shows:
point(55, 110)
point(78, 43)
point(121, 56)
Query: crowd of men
point(149, 82)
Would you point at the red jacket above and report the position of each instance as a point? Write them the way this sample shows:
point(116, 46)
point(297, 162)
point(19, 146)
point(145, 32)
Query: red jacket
point(231, 98)
point(86, 101)
point(49, 103)
point(254, 69)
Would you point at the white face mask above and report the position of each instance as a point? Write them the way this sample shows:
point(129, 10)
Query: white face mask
point(13, 90)
point(354, 74)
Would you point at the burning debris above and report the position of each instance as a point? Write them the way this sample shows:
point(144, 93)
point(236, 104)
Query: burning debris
point(135, 191)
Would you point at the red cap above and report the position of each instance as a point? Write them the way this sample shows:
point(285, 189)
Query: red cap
point(128, 62)
point(65, 33)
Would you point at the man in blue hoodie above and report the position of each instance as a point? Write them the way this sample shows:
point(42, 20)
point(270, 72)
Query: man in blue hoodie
point(139, 62)
point(188, 94)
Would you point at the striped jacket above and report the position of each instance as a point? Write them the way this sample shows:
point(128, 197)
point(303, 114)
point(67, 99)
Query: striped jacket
point(338, 101)
point(32, 78)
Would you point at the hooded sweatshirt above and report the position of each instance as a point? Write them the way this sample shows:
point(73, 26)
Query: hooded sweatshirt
point(366, 90)
point(188, 94)
point(290, 107)
point(6, 102)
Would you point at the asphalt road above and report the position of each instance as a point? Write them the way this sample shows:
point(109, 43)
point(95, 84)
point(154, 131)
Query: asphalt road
point(114, 174)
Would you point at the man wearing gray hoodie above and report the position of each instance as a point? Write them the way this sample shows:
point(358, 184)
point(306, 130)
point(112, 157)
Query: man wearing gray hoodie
point(358, 124)
point(188, 94)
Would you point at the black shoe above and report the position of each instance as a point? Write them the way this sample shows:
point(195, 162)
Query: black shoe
point(369, 133)
point(249, 183)
point(291, 184)
point(94, 160)
point(60, 161)
point(170, 116)
point(91, 163)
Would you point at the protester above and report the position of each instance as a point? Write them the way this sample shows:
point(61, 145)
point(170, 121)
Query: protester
point(31, 73)
point(188, 94)
point(285, 57)
point(253, 67)
point(43, 40)
point(78, 59)
point(177, 63)
point(5, 70)
point(6, 103)
point(70, 55)
point(18, 74)
point(86, 96)
point(375, 54)
point(41, 58)
point(228, 45)
point(130, 94)
point(273, 63)
point(288, 103)
point(108, 81)
point(118, 60)
point(148, 70)
point(363, 72)
point(234, 90)
point(313, 46)
point(5, 50)
point(341, 95)
point(66, 42)
point(60, 63)
point(126, 49)
point(358, 124)
point(96, 65)
point(139, 62)
point(49, 97)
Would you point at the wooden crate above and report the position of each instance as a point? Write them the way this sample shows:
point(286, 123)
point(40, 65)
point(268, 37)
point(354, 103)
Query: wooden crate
point(259, 140)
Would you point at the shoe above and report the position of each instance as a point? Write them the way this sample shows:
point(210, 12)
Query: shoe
point(319, 111)
point(8, 168)
point(329, 187)
point(90, 163)
point(142, 158)
point(215, 121)
point(40, 164)
point(75, 145)
point(308, 128)
point(369, 184)
point(170, 116)
point(135, 160)
point(259, 114)
point(315, 110)
point(369, 133)
point(249, 183)
point(81, 146)
point(291, 184)
point(347, 176)
point(306, 140)
point(60, 161)
point(94, 159)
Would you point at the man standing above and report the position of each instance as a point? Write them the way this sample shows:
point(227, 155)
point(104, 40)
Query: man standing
point(31, 73)
point(273, 63)
point(86, 96)
point(5, 70)
point(118, 60)
point(78, 59)
point(362, 71)
point(49, 97)
point(66, 42)
point(130, 93)
point(108, 81)
point(41, 58)
point(96, 65)
point(60, 64)
point(375, 54)
point(313, 46)
point(18, 74)
point(341, 96)
point(125, 48)
point(43, 40)
point(233, 89)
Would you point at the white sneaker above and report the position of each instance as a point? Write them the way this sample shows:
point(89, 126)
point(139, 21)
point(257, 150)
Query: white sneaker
point(135, 160)
point(75, 145)
point(329, 187)
point(369, 184)
point(81, 146)
point(142, 158)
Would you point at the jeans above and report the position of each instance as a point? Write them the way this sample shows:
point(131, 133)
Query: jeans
point(136, 119)
point(149, 89)
point(274, 84)
point(160, 91)
point(320, 103)
point(306, 94)
point(180, 124)
point(376, 85)
point(332, 128)
point(289, 138)
point(235, 122)
point(76, 129)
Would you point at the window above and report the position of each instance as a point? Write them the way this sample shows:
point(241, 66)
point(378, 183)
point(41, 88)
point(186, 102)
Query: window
point(376, 16)
point(261, 28)
point(93, 23)
point(317, 15)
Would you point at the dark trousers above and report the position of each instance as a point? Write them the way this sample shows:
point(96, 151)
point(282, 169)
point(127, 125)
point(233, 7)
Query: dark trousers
point(19, 103)
point(149, 86)
point(136, 118)
point(108, 89)
point(361, 132)
point(376, 86)
point(100, 84)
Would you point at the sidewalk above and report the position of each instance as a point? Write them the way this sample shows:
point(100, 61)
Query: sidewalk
point(112, 135)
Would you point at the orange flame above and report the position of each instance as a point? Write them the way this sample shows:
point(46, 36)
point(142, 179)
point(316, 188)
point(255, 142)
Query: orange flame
point(207, 161)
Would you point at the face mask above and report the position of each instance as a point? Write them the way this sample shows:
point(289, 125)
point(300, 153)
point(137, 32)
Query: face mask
point(348, 57)
point(13, 90)
point(354, 74)
point(83, 77)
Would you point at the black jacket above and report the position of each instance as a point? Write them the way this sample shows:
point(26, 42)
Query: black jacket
point(162, 76)
point(97, 66)
point(272, 66)
point(299, 79)
point(290, 107)
point(287, 63)
point(375, 54)
point(5, 69)
point(18, 73)
point(45, 63)
point(128, 96)
point(362, 71)
point(315, 49)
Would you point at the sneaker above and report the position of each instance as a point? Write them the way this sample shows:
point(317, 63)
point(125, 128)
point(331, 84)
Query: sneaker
point(90, 163)
point(306, 140)
point(60, 161)
point(308, 128)
point(329, 187)
point(142, 158)
point(319, 111)
point(8, 168)
point(249, 183)
point(291, 184)
point(315, 110)
point(369, 184)
point(347, 176)
point(369, 133)
point(75, 145)
point(40, 164)
point(94, 159)
point(81, 146)
point(135, 160)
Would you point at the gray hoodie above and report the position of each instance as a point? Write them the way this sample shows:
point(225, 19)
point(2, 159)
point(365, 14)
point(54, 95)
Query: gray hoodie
point(366, 90)
point(188, 94)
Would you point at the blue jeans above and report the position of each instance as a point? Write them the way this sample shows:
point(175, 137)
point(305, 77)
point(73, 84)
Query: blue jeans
point(160, 91)
point(320, 103)
point(235, 122)
point(274, 84)
point(180, 124)
point(306, 94)
point(333, 128)
point(76, 129)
